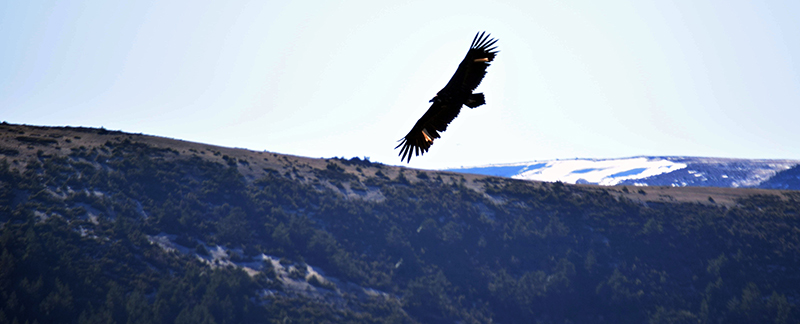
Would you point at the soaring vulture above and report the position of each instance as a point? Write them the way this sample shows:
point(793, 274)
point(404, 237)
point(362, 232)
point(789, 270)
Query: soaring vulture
point(448, 101)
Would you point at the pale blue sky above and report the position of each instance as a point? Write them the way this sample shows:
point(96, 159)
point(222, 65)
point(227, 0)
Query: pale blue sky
point(589, 79)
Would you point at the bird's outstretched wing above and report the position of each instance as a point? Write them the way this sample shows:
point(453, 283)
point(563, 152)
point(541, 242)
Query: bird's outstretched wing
point(427, 128)
point(472, 69)
point(448, 102)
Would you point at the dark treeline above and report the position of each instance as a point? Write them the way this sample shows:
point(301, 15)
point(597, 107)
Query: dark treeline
point(75, 247)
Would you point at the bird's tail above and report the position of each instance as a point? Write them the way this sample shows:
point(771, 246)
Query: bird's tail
point(475, 100)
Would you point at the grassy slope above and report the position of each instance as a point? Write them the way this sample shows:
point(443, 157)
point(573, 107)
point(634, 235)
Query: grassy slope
point(63, 140)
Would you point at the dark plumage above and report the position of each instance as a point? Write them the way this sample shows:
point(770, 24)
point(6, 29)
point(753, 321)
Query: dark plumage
point(448, 101)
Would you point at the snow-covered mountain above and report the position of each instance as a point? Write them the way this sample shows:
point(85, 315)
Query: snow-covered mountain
point(654, 171)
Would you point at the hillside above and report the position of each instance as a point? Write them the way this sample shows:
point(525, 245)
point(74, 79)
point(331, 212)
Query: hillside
point(107, 226)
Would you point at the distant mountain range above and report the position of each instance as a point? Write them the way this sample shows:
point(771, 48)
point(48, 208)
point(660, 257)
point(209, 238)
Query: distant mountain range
point(675, 171)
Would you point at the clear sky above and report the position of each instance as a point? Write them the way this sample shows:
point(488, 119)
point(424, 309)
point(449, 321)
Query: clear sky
point(588, 79)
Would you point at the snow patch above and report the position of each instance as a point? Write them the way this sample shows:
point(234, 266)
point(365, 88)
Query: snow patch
point(678, 171)
point(604, 172)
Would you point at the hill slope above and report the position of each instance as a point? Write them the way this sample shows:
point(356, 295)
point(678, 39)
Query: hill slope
point(115, 227)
